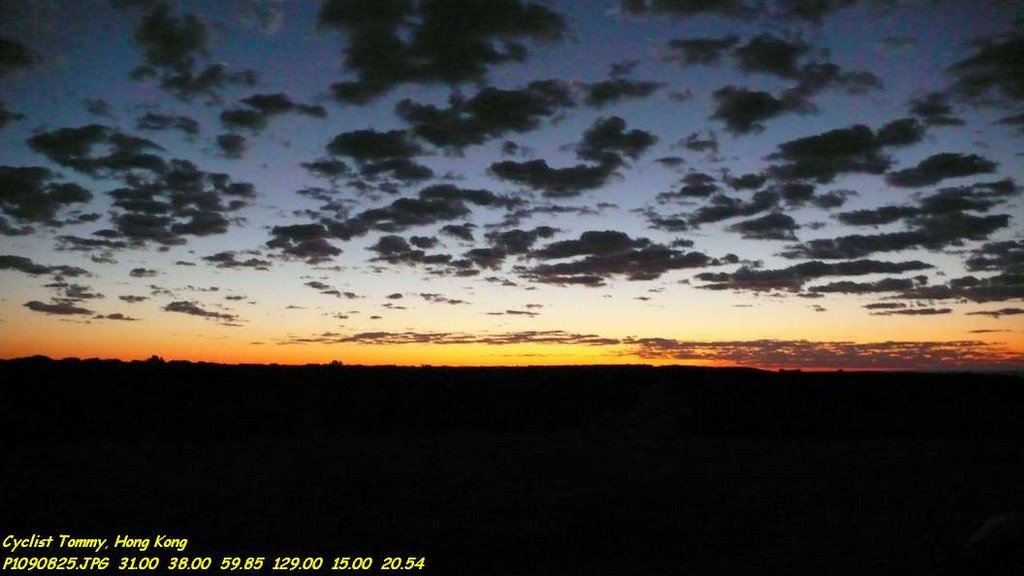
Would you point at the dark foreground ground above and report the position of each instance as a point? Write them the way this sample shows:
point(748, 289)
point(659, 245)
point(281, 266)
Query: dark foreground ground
point(561, 471)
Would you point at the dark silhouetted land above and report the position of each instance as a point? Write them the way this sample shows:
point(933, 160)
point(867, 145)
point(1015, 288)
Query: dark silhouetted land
point(525, 471)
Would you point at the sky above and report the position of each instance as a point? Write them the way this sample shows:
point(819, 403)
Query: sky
point(815, 184)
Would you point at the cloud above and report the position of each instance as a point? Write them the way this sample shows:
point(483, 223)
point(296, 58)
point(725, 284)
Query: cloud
point(770, 353)
point(695, 143)
point(115, 316)
point(441, 299)
point(381, 153)
point(157, 122)
point(855, 149)
point(915, 312)
point(542, 337)
point(555, 182)
point(304, 241)
point(1007, 257)
point(328, 168)
point(722, 207)
point(744, 111)
point(612, 91)
point(792, 278)
point(171, 47)
point(939, 167)
point(400, 41)
point(30, 195)
point(608, 253)
point(992, 71)
point(193, 309)
point(75, 148)
point(229, 259)
point(767, 54)
point(700, 51)
point(7, 116)
point(935, 110)
point(232, 146)
point(14, 55)
point(260, 108)
point(689, 8)
point(28, 266)
point(58, 308)
point(143, 273)
point(607, 140)
point(998, 313)
point(490, 113)
point(774, 226)
point(883, 285)
point(395, 249)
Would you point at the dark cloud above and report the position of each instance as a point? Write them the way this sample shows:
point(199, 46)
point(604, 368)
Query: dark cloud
point(998, 313)
point(774, 226)
point(607, 140)
point(768, 54)
point(877, 216)
point(58, 308)
point(232, 146)
point(172, 46)
point(935, 110)
point(702, 51)
point(992, 71)
point(803, 353)
point(143, 273)
point(305, 241)
point(620, 69)
point(461, 231)
point(608, 253)
point(381, 153)
point(744, 111)
point(722, 207)
point(517, 241)
point(393, 42)
point(28, 266)
point(115, 316)
point(792, 278)
point(697, 144)
point(612, 91)
point(152, 121)
point(545, 337)
point(1005, 257)
point(939, 167)
point(75, 148)
point(260, 108)
point(230, 259)
point(915, 312)
point(193, 309)
point(810, 10)
point(181, 200)
point(855, 149)
point(7, 116)
point(97, 107)
point(933, 232)
point(490, 113)
point(695, 185)
point(555, 182)
point(746, 181)
point(883, 285)
point(394, 249)
point(30, 195)
point(441, 299)
point(688, 8)
point(14, 55)
point(133, 299)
